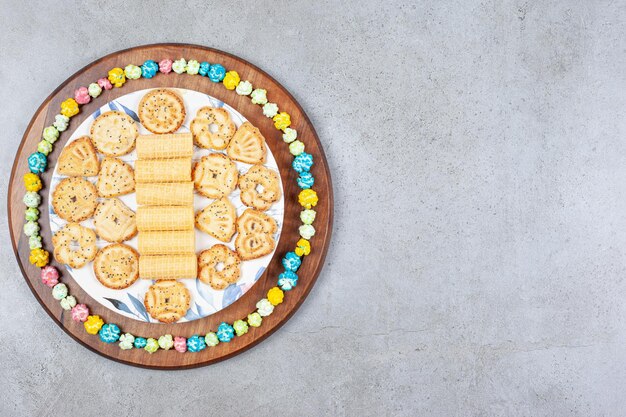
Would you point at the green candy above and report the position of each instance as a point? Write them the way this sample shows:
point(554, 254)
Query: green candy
point(259, 96)
point(127, 341)
point(296, 147)
point(68, 302)
point(290, 135)
point(132, 72)
point(193, 67)
point(152, 345)
point(255, 319)
point(32, 214)
point(31, 228)
point(51, 134)
point(59, 292)
point(211, 339)
point(241, 327)
point(307, 216)
point(166, 342)
point(44, 147)
point(34, 242)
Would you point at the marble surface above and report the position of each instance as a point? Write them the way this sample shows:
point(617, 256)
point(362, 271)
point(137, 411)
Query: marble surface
point(478, 152)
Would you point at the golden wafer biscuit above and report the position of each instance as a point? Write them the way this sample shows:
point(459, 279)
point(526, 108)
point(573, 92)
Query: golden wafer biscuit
point(165, 194)
point(167, 242)
point(179, 145)
point(163, 170)
point(151, 218)
point(167, 301)
point(117, 266)
point(159, 267)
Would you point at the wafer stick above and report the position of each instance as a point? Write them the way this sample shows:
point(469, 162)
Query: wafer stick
point(151, 218)
point(167, 242)
point(165, 194)
point(160, 267)
point(163, 170)
point(164, 146)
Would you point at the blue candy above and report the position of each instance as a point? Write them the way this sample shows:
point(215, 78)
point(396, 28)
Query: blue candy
point(303, 162)
point(305, 180)
point(217, 73)
point(196, 343)
point(140, 342)
point(37, 163)
point(109, 333)
point(204, 68)
point(287, 280)
point(149, 69)
point(291, 261)
point(225, 332)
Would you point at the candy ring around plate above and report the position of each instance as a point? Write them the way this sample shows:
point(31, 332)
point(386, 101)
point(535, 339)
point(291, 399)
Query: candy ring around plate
point(301, 250)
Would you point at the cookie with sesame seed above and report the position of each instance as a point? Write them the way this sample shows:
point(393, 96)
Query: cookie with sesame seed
point(114, 221)
point(117, 266)
point(260, 187)
point(212, 128)
point(161, 111)
point(215, 175)
point(218, 220)
point(116, 178)
point(74, 245)
point(114, 133)
point(74, 199)
point(167, 301)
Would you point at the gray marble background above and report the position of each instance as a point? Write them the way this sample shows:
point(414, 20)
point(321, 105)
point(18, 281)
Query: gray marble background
point(478, 152)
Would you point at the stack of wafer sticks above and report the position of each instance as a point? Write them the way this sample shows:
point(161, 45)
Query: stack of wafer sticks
point(165, 216)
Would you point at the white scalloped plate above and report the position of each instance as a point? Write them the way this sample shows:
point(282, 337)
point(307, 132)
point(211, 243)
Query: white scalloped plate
point(205, 300)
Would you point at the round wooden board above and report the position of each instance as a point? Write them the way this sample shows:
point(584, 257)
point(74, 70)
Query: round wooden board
point(311, 265)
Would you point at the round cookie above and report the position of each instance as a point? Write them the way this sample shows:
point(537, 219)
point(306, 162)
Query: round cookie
point(215, 175)
point(167, 300)
point(114, 133)
point(260, 187)
point(74, 245)
point(161, 111)
point(74, 199)
point(114, 221)
point(117, 266)
point(212, 128)
point(219, 267)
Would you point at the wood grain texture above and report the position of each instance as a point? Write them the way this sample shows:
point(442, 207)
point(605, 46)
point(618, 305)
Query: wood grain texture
point(311, 265)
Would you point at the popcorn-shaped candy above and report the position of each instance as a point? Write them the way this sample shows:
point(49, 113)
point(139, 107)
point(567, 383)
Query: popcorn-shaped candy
point(264, 307)
point(303, 247)
point(152, 345)
point(31, 214)
point(94, 89)
point(140, 342)
point(179, 66)
point(296, 147)
point(166, 342)
point(231, 80)
point(303, 162)
point(37, 162)
point(308, 198)
point(126, 341)
point(259, 96)
point(69, 108)
point(305, 180)
point(217, 73)
point(240, 327)
point(80, 313)
point(282, 120)
point(244, 88)
point(211, 339)
point(291, 261)
point(117, 77)
point(289, 135)
point(105, 83)
point(132, 72)
point(307, 216)
point(109, 333)
point(68, 302)
point(81, 95)
point(93, 324)
point(44, 147)
point(165, 66)
point(60, 124)
point(275, 296)
point(287, 280)
point(180, 344)
point(31, 199)
point(31, 228)
point(149, 69)
point(50, 276)
point(196, 343)
point(59, 291)
point(204, 68)
point(270, 110)
point(51, 133)
point(193, 67)
point(255, 319)
point(34, 242)
point(307, 231)
point(39, 257)
point(225, 332)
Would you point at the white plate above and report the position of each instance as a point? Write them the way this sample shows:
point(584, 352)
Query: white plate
point(204, 299)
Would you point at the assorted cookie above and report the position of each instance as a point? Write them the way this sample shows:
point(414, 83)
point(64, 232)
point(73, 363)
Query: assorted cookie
point(74, 245)
point(218, 219)
point(167, 301)
point(116, 178)
point(161, 111)
point(114, 221)
point(74, 199)
point(114, 133)
point(219, 267)
point(212, 128)
point(215, 175)
point(255, 237)
point(260, 187)
point(117, 266)
point(247, 145)
point(79, 159)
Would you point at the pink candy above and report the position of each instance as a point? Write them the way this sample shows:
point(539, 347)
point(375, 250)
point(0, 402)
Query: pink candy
point(82, 95)
point(105, 83)
point(80, 312)
point(180, 344)
point(49, 276)
point(165, 66)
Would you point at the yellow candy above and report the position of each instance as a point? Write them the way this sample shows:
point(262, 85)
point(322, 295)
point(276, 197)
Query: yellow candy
point(117, 77)
point(69, 108)
point(93, 324)
point(39, 257)
point(307, 198)
point(275, 296)
point(303, 247)
point(282, 120)
point(231, 80)
point(32, 182)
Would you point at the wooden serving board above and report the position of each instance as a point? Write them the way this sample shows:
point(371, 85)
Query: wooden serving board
point(311, 265)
